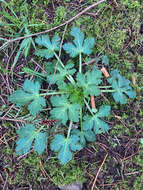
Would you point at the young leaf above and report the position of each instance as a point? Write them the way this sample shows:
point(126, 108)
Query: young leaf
point(51, 46)
point(84, 136)
point(62, 73)
point(94, 122)
point(89, 82)
point(79, 45)
point(121, 85)
point(105, 60)
point(30, 93)
point(64, 110)
point(27, 134)
point(64, 146)
point(75, 93)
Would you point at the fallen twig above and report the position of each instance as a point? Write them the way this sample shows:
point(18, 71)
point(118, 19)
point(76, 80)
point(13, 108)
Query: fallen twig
point(98, 172)
point(54, 28)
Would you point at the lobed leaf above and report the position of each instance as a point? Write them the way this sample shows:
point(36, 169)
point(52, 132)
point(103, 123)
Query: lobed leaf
point(89, 82)
point(79, 45)
point(94, 122)
point(64, 146)
point(64, 110)
point(84, 136)
point(121, 85)
point(62, 73)
point(28, 134)
point(29, 94)
point(51, 46)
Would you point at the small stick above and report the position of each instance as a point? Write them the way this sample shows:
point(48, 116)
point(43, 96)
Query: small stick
point(92, 102)
point(10, 119)
point(105, 72)
point(98, 173)
point(56, 27)
point(44, 171)
point(133, 80)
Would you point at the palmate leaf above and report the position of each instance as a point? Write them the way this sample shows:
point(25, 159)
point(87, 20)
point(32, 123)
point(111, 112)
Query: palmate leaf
point(51, 46)
point(79, 45)
point(64, 146)
point(89, 82)
point(64, 110)
point(61, 74)
point(84, 135)
point(27, 135)
point(121, 85)
point(29, 93)
point(94, 122)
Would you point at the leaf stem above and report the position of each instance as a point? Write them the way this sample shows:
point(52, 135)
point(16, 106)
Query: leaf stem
point(59, 60)
point(105, 86)
point(51, 93)
point(40, 129)
point(81, 118)
point(69, 129)
point(30, 71)
point(69, 77)
point(80, 63)
point(108, 90)
point(88, 107)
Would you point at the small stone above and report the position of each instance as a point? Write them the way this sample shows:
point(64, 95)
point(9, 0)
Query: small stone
point(76, 186)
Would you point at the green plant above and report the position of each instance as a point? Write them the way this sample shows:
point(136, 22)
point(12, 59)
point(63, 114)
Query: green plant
point(15, 24)
point(71, 91)
point(66, 174)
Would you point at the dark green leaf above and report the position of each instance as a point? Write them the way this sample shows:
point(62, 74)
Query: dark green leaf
point(64, 147)
point(51, 46)
point(94, 122)
point(121, 85)
point(89, 82)
point(61, 74)
point(84, 136)
point(30, 93)
point(79, 45)
point(27, 134)
point(64, 110)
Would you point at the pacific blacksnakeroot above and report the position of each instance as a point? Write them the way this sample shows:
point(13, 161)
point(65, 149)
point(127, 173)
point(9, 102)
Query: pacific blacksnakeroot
point(70, 100)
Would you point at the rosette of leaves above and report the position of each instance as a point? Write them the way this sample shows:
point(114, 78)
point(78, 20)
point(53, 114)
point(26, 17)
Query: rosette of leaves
point(95, 122)
point(29, 95)
point(122, 87)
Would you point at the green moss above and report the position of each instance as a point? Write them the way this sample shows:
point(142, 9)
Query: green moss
point(135, 181)
point(26, 171)
point(67, 174)
point(33, 16)
point(131, 3)
point(60, 14)
point(110, 35)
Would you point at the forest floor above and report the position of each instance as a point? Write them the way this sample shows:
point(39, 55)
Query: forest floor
point(115, 160)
